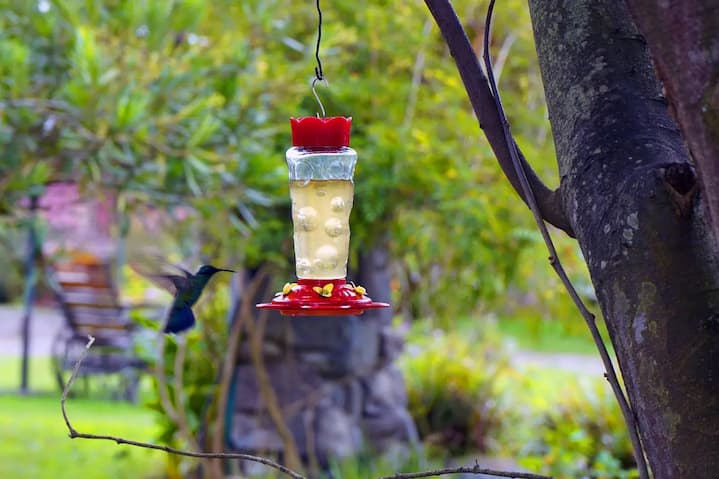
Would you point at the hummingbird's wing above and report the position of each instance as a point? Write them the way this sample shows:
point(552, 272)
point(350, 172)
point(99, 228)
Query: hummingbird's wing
point(182, 270)
point(170, 282)
point(153, 269)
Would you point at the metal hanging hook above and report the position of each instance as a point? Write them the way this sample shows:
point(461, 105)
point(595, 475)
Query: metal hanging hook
point(314, 92)
point(319, 76)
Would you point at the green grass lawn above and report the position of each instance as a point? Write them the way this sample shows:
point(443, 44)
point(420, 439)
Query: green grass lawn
point(34, 441)
point(549, 336)
point(39, 375)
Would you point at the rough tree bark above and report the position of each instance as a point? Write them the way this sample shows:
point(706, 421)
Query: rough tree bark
point(629, 192)
point(683, 37)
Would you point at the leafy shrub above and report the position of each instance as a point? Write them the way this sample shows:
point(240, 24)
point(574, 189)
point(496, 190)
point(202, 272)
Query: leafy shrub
point(12, 280)
point(454, 391)
point(205, 347)
point(582, 435)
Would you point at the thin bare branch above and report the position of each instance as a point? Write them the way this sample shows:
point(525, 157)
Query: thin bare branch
point(467, 470)
point(417, 71)
point(161, 377)
point(228, 365)
point(503, 55)
point(181, 420)
point(73, 375)
point(256, 332)
point(480, 95)
point(178, 386)
point(611, 375)
point(74, 434)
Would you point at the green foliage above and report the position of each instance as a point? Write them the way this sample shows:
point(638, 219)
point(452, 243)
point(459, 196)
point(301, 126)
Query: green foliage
point(538, 299)
point(367, 465)
point(205, 347)
point(187, 103)
point(424, 174)
point(454, 390)
point(198, 383)
point(152, 99)
point(11, 279)
point(582, 435)
point(533, 332)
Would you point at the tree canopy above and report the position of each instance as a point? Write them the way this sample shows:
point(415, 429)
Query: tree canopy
point(167, 103)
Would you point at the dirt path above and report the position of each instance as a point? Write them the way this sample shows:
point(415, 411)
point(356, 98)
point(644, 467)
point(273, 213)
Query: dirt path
point(47, 321)
point(44, 324)
point(576, 363)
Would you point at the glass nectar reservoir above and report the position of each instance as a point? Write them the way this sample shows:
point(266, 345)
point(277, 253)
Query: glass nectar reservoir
point(321, 169)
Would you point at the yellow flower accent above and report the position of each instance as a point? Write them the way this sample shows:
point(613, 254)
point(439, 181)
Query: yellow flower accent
point(325, 291)
point(358, 289)
point(286, 289)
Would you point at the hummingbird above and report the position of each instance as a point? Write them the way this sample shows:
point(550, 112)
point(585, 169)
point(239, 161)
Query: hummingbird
point(186, 289)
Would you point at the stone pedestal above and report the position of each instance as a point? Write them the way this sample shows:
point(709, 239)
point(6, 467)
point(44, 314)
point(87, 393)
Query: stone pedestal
point(335, 383)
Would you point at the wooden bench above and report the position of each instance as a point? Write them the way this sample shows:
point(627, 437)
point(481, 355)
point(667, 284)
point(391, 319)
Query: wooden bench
point(85, 291)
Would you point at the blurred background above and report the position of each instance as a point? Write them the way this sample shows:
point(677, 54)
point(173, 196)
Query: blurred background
point(129, 126)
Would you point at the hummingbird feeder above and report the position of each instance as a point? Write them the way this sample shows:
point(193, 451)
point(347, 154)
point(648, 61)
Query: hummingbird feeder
point(321, 168)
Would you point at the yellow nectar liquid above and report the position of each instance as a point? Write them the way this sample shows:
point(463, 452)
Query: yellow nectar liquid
point(320, 214)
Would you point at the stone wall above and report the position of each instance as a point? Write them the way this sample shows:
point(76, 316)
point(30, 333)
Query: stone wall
point(336, 384)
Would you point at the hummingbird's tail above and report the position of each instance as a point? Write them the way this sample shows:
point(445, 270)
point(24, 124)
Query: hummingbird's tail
point(180, 318)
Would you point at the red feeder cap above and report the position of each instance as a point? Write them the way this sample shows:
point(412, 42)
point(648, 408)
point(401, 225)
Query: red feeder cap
point(313, 132)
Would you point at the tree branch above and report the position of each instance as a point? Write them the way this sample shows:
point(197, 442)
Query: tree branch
point(74, 434)
point(610, 375)
point(467, 470)
point(220, 455)
point(475, 83)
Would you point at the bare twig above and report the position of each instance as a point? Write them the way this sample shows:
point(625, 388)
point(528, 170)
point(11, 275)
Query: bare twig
point(74, 434)
point(228, 366)
point(610, 374)
point(180, 412)
point(503, 54)
point(417, 70)
point(466, 470)
point(177, 385)
point(267, 392)
point(161, 377)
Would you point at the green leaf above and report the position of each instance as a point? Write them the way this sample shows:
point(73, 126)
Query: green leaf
point(191, 180)
point(199, 165)
point(207, 127)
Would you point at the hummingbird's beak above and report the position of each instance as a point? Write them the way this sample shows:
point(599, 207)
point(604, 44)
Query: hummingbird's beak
point(228, 270)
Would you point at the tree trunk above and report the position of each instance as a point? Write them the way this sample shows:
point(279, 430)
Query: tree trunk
point(628, 188)
point(683, 37)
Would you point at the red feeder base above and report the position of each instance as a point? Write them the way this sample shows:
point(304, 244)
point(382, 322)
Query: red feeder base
point(322, 297)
